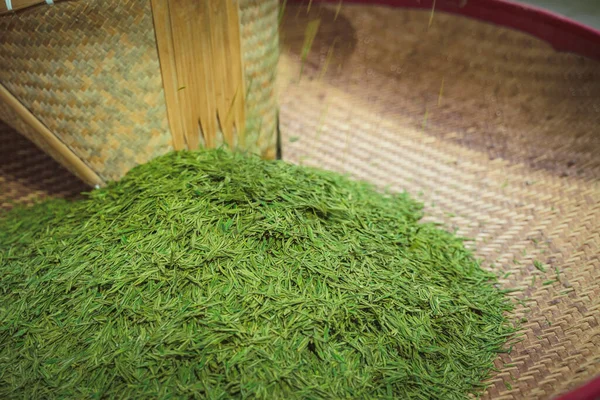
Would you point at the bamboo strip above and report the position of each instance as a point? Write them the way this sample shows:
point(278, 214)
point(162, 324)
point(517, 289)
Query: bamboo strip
point(203, 58)
point(237, 88)
point(164, 40)
point(181, 30)
point(219, 26)
point(220, 64)
point(74, 163)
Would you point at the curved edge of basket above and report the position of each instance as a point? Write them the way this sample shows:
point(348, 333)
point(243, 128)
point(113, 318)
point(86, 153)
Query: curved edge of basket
point(562, 33)
point(8, 7)
point(70, 160)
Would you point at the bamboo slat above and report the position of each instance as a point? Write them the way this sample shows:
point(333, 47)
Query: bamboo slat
point(78, 166)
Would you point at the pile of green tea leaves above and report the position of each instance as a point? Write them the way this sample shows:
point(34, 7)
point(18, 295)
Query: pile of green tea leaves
point(216, 275)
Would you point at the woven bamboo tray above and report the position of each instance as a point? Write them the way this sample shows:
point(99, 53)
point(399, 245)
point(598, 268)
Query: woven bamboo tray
point(105, 85)
point(494, 130)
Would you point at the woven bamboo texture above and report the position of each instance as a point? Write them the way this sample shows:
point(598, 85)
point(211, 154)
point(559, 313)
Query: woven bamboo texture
point(496, 132)
point(89, 71)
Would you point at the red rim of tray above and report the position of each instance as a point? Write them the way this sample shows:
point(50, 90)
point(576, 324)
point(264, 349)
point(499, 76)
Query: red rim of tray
point(562, 33)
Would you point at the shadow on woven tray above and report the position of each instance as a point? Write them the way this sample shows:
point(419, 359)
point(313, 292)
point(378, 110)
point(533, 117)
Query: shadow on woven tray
point(27, 174)
point(484, 87)
point(334, 43)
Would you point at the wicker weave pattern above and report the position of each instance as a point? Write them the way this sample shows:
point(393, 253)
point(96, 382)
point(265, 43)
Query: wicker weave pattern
point(509, 157)
point(260, 45)
point(89, 71)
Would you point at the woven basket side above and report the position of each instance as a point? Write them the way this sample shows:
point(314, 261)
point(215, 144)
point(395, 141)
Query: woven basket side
point(89, 71)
